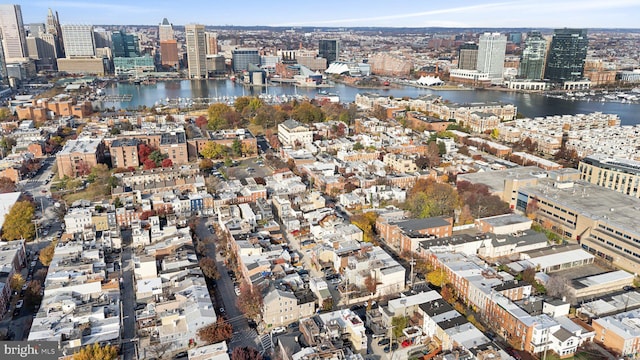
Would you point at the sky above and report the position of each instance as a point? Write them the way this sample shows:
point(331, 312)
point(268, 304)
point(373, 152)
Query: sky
point(344, 13)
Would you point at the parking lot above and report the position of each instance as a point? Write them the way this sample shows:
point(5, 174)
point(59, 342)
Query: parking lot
point(253, 167)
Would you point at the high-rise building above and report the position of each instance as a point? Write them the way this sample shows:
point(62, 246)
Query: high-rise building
point(567, 55)
point(212, 43)
point(330, 50)
point(196, 51)
point(14, 40)
point(4, 78)
point(165, 31)
point(533, 56)
point(102, 37)
point(242, 57)
point(78, 41)
point(53, 27)
point(515, 37)
point(468, 56)
point(124, 45)
point(169, 53)
point(491, 53)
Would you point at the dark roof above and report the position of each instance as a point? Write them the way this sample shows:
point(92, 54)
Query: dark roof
point(173, 138)
point(421, 224)
point(563, 334)
point(125, 142)
point(436, 307)
point(456, 321)
point(512, 284)
point(305, 296)
point(449, 240)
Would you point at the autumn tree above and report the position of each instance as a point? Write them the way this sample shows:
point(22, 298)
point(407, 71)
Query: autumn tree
point(216, 332)
point(95, 352)
point(367, 223)
point(6, 185)
point(250, 300)
point(327, 304)
point(378, 112)
point(241, 103)
point(371, 284)
point(166, 163)
point(529, 275)
point(436, 278)
point(206, 164)
point(144, 151)
point(245, 353)
point(16, 282)
point(480, 200)
point(18, 222)
point(201, 122)
point(217, 116)
point(308, 113)
point(212, 150)
point(429, 198)
point(447, 294)
point(46, 254)
point(209, 268)
point(149, 164)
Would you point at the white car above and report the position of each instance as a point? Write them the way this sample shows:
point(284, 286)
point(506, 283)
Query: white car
point(19, 304)
point(278, 330)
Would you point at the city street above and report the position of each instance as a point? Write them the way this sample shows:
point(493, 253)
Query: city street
point(128, 299)
point(37, 186)
point(243, 335)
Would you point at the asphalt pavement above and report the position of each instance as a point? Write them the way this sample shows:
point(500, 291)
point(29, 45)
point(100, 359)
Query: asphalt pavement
point(127, 299)
point(243, 335)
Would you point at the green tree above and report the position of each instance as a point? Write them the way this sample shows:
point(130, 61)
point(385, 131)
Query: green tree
point(157, 156)
point(17, 223)
point(236, 147)
point(358, 146)
point(255, 104)
point(46, 254)
point(117, 203)
point(5, 114)
point(398, 324)
point(212, 150)
point(96, 352)
point(217, 115)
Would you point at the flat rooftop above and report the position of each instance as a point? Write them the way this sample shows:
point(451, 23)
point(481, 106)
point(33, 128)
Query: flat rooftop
point(83, 146)
point(593, 201)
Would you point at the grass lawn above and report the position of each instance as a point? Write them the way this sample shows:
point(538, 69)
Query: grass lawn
point(90, 193)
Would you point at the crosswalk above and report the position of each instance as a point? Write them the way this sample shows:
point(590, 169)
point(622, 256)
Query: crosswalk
point(265, 341)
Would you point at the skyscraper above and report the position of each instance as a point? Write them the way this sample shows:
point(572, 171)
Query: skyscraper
point(212, 43)
point(53, 27)
point(329, 49)
point(124, 45)
point(78, 41)
point(533, 56)
point(468, 56)
point(165, 30)
point(14, 40)
point(491, 53)
point(169, 53)
point(196, 51)
point(567, 54)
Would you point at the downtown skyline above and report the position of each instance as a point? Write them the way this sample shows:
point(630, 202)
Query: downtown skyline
point(332, 13)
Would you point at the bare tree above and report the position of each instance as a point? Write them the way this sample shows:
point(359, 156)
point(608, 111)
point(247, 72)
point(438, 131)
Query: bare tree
point(160, 350)
point(557, 286)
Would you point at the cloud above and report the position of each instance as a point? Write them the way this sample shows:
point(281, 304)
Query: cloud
point(539, 13)
point(97, 6)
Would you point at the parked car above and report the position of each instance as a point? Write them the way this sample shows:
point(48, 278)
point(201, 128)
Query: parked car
point(19, 304)
point(278, 330)
point(181, 355)
point(390, 348)
point(384, 342)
